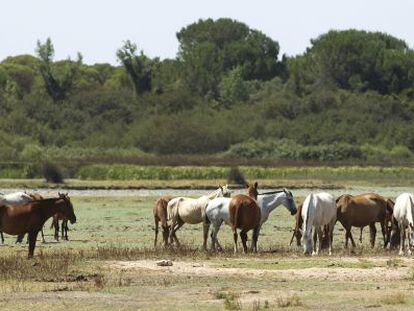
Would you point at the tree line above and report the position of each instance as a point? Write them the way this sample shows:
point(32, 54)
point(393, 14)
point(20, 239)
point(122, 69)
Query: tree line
point(228, 91)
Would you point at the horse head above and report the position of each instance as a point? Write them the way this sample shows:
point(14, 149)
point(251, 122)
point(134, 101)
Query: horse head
point(225, 191)
point(342, 203)
point(252, 190)
point(68, 210)
point(290, 202)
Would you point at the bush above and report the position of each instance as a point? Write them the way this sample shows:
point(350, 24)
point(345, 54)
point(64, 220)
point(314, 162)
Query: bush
point(237, 177)
point(52, 173)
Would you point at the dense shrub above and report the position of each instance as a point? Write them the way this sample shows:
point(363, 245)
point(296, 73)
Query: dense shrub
point(52, 173)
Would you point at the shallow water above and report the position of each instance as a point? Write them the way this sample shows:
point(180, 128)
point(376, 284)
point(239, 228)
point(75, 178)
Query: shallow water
point(385, 191)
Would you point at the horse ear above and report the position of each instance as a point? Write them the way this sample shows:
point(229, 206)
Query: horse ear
point(246, 185)
point(220, 187)
point(255, 184)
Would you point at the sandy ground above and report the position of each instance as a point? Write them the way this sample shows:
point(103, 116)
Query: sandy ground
point(331, 273)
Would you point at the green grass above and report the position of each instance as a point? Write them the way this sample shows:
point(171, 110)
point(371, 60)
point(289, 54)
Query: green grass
point(77, 274)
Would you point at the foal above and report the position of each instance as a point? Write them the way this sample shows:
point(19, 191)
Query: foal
point(160, 216)
point(245, 215)
point(31, 217)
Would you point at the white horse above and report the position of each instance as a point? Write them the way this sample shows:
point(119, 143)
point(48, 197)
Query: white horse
point(217, 212)
point(403, 214)
point(15, 198)
point(318, 210)
point(182, 210)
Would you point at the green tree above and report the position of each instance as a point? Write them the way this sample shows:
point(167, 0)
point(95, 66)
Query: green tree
point(233, 88)
point(210, 48)
point(59, 78)
point(138, 67)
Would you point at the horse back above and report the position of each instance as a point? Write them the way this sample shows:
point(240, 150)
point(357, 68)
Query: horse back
point(244, 213)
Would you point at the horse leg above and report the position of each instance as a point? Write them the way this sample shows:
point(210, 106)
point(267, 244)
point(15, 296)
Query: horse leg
point(20, 238)
point(319, 235)
point(315, 239)
point(43, 236)
point(32, 242)
point(165, 233)
point(243, 236)
point(235, 240)
point(360, 235)
point(206, 228)
point(156, 231)
point(172, 229)
point(409, 240)
point(66, 230)
point(56, 226)
point(256, 232)
point(373, 232)
point(402, 240)
point(180, 223)
point(352, 238)
point(384, 233)
point(2, 237)
point(330, 237)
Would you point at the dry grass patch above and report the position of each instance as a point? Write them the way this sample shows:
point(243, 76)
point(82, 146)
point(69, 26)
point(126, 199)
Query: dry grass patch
point(290, 301)
point(394, 299)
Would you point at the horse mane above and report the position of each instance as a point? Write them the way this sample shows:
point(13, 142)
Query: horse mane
point(45, 200)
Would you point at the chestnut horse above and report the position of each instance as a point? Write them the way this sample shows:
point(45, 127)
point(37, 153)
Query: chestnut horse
point(363, 210)
point(245, 215)
point(160, 216)
point(31, 217)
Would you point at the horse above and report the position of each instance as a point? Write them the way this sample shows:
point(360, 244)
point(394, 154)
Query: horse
point(30, 218)
point(160, 215)
point(388, 222)
point(318, 211)
point(404, 220)
point(362, 210)
point(55, 225)
point(182, 210)
point(17, 199)
point(244, 214)
point(217, 211)
point(298, 226)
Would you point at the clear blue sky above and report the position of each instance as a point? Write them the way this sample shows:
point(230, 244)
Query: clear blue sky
point(97, 28)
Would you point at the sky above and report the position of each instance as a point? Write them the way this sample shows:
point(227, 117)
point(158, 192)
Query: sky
point(96, 28)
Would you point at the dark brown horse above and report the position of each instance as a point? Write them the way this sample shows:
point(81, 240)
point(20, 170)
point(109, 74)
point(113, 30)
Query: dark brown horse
point(245, 215)
point(31, 217)
point(160, 216)
point(364, 210)
point(55, 225)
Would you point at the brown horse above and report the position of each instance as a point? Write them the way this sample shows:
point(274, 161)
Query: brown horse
point(245, 215)
point(298, 225)
point(55, 225)
point(31, 217)
point(34, 196)
point(160, 216)
point(364, 210)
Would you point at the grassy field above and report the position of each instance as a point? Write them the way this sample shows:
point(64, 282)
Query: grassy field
point(109, 263)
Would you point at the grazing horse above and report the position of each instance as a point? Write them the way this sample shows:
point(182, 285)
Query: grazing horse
point(298, 226)
point(182, 210)
point(160, 215)
point(318, 211)
point(30, 218)
point(363, 210)
point(244, 214)
point(403, 215)
point(217, 211)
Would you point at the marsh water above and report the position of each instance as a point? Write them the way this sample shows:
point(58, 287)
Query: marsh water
point(302, 192)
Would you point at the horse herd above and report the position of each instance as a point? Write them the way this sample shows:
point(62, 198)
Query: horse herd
point(315, 218)
point(22, 213)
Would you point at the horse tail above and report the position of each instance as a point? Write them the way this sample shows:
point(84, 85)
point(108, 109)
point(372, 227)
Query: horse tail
point(164, 204)
point(236, 217)
point(307, 227)
point(410, 213)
